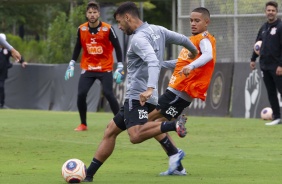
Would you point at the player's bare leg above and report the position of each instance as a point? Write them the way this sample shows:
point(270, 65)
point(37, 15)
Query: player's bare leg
point(104, 151)
point(140, 133)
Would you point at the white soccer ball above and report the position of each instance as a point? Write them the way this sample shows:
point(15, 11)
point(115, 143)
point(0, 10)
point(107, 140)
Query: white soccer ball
point(257, 47)
point(74, 171)
point(266, 113)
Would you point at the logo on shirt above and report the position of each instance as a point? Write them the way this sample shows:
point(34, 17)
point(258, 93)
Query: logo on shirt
point(143, 114)
point(5, 51)
point(105, 29)
point(94, 49)
point(94, 67)
point(184, 54)
point(172, 79)
point(154, 36)
point(273, 31)
point(93, 41)
point(171, 111)
point(84, 28)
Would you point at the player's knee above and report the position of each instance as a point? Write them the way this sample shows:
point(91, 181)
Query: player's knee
point(135, 135)
point(110, 97)
point(112, 131)
point(81, 97)
point(135, 140)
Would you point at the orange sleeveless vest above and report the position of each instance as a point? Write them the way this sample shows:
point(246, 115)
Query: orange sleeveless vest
point(97, 49)
point(197, 82)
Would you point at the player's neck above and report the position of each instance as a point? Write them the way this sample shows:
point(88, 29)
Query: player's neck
point(95, 24)
point(271, 21)
point(137, 23)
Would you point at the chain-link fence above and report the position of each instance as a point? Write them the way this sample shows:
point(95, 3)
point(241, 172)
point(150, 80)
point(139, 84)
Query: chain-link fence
point(234, 23)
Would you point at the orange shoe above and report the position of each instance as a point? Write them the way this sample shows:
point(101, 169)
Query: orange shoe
point(81, 127)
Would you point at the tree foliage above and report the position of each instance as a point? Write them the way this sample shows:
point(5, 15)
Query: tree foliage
point(49, 30)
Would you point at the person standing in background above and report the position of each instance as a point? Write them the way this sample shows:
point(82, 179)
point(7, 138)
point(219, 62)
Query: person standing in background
point(97, 39)
point(270, 60)
point(5, 64)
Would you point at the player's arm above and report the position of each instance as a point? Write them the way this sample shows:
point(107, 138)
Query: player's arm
point(180, 39)
point(254, 54)
point(119, 72)
point(77, 47)
point(15, 54)
point(115, 42)
point(280, 43)
point(207, 56)
point(76, 51)
point(169, 64)
point(145, 51)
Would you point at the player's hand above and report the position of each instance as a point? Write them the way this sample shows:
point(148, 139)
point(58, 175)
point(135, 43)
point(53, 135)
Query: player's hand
point(193, 55)
point(253, 65)
point(143, 97)
point(119, 73)
point(24, 64)
point(185, 70)
point(279, 71)
point(16, 55)
point(70, 70)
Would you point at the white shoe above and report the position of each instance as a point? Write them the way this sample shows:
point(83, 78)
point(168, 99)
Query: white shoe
point(174, 161)
point(274, 122)
point(176, 172)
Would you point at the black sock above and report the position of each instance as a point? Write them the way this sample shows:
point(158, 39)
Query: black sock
point(168, 146)
point(168, 126)
point(93, 167)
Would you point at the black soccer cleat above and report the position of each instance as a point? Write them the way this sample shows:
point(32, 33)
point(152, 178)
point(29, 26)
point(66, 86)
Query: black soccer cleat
point(88, 179)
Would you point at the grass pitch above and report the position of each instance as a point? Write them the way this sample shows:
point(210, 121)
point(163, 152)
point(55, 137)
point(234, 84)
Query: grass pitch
point(35, 144)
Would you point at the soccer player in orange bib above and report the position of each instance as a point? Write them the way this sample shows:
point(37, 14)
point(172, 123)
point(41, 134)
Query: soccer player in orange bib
point(97, 39)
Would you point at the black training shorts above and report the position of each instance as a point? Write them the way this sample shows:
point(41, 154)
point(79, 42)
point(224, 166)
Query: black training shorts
point(132, 113)
point(171, 106)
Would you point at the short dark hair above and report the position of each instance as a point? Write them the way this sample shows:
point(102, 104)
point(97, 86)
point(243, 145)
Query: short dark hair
point(203, 11)
point(272, 3)
point(127, 7)
point(94, 5)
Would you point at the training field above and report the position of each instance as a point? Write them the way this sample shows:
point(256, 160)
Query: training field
point(35, 144)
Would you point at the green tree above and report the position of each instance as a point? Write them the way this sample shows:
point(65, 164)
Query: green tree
point(158, 12)
point(58, 44)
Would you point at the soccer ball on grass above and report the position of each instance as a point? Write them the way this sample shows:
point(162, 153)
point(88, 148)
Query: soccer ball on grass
point(266, 113)
point(74, 171)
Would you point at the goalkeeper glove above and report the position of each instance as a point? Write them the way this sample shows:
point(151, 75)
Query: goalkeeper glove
point(119, 73)
point(70, 70)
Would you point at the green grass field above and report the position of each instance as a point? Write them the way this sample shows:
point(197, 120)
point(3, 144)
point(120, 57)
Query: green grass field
point(35, 144)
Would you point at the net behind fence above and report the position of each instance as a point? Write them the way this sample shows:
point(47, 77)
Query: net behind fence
point(234, 23)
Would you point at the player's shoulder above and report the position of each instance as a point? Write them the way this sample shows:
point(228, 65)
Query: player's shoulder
point(83, 27)
point(106, 24)
point(279, 24)
point(158, 28)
